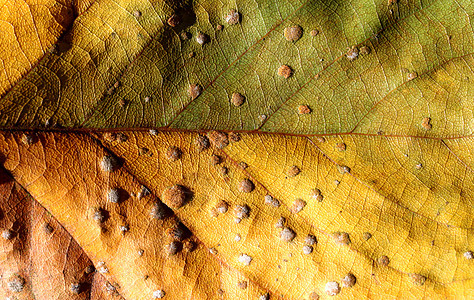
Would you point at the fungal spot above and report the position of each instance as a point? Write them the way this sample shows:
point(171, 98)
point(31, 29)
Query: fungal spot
point(218, 139)
point(89, 269)
point(287, 234)
point(418, 166)
point(109, 163)
point(185, 35)
point(316, 195)
point(213, 251)
point(158, 294)
point(280, 223)
point(293, 171)
point(194, 91)
point(332, 288)
point(143, 192)
point(468, 255)
point(16, 283)
point(124, 228)
point(237, 238)
point(219, 27)
point(341, 147)
point(310, 239)
point(113, 195)
point(101, 268)
point(269, 200)
point(364, 50)
point(174, 20)
point(140, 252)
point(307, 249)
point(233, 17)
point(153, 132)
point(293, 33)
point(246, 186)
point(8, 234)
point(173, 248)
point(348, 281)
point(215, 160)
point(173, 153)
point(237, 99)
point(222, 207)
point(27, 139)
point(159, 211)
point(202, 38)
point(245, 259)
point(383, 260)
point(426, 123)
point(314, 32)
point(202, 143)
point(313, 296)
point(366, 236)
point(137, 14)
point(75, 288)
point(243, 165)
point(285, 71)
point(99, 215)
point(264, 297)
point(189, 246)
point(412, 75)
point(341, 238)
point(176, 196)
point(242, 284)
point(304, 110)
point(297, 206)
point(235, 137)
point(336, 182)
point(352, 53)
point(417, 279)
point(178, 232)
point(242, 211)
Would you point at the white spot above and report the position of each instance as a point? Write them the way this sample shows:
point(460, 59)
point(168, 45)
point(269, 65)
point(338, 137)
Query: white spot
point(349, 280)
point(7, 234)
point(468, 255)
point(233, 17)
point(245, 259)
point(332, 288)
point(287, 234)
point(237, 220)
point(153, 132)
point(242, 211)
point(237, 238)
point(16, 284)
point(213, 251)
point(264, 297)
point(108, 163)
point(310, 239)
point(201, 38)
point(113, 195)
point(101, 268)
point(158, 294)
point(269, 200)
point(147, 99)
point(307, 249)
point(280, 223)
point(124, 228)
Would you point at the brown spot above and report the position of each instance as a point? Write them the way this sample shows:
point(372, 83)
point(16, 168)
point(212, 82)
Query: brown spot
point(121, 138)
point(383, 260)
point(194, 91)
point(27, 139)
point(242, 211)
point(341, 238)
point(224, 170)
point(219, 27)
point(109, 137)
point(320, 139)
point(316, 195)
point(293, 33)
point(173, 248)
point(175, 196)
point(137, 14)
point(189, 246)
point(391, 2)
point(159, 211)
point(123, 102)
point(297, 206)
point(142, 151)
point(222, 207)
point(173, 153)
point(243, 165)
point(218, 139)
point(313, 296)
point(412, 75)
point(287, 234)
point(48, 228)
point(202, 143)
point(418, 166)
point(246, 186)
point(285, 71)
point(191, 54)
point(366, 236)
point(215, 160)
point(116, 84)
point(364, 50)
point(178, 232)
point(341, 147)
point(304, 110)
point(352, 53)
point(348, 281)
point(314, 32)
point(174, 20)
point(426, 123)
point(235, 137)
point(185, 35)
point(237, 99)
point(233, 17)
point(417, 279)
point(293, 171)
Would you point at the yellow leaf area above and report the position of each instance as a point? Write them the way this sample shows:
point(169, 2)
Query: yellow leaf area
point(391, 217)
point(28, 30)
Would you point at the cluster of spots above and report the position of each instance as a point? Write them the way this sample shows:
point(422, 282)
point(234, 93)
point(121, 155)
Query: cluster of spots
point(173, 153)
point(285, 71)
point(317, 195)
point(246, 186)
point(176, 196)
point(341, 238)
point(310, 241)
point(269, 200)
point(425, 123)
point(16, 283)
point(180, 239)
point(195, 90)
point(332, 288)
point(293, 171)
point(237, 99)
point(218, 139)
point(417, 279)
point(297, 206)
point(304, 109)
point(293, 33)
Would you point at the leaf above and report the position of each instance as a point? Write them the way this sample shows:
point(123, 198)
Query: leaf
point(351, 120)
